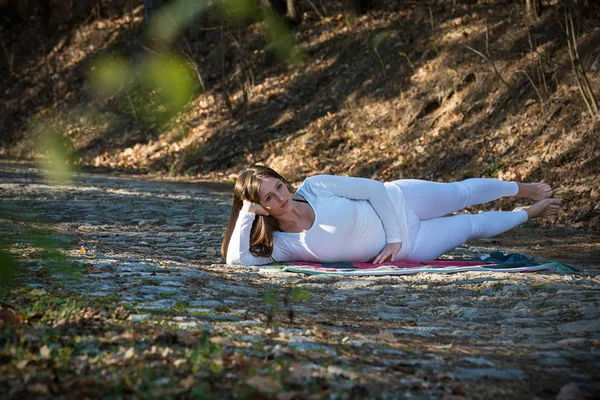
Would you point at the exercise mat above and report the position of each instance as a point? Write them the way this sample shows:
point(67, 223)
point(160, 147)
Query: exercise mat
point(497, 261)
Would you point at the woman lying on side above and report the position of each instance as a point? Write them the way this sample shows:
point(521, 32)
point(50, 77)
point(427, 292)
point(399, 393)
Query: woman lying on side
point(337, 218)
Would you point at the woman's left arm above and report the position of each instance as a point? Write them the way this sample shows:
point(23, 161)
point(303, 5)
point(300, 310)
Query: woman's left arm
point(373, 191)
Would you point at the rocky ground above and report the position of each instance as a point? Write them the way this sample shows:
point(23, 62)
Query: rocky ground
point(148, 251)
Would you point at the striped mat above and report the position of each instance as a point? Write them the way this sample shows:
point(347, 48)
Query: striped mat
point(497, 261)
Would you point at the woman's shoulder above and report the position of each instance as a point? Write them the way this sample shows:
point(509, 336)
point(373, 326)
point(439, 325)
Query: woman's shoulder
point(317, 181)
point(309, 187)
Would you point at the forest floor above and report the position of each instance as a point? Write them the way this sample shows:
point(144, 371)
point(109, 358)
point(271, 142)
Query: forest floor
point(144, 308)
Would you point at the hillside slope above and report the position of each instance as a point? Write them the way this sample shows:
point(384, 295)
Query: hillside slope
point(398, 93)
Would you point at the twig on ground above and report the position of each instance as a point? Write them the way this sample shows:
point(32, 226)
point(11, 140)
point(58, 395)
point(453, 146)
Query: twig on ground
point(587, 212)
point(431, 20)
point(534, 88)
point(491, 62)
point(319, 14)
point(190, 56)
point(403, 54)
point(578, 70)
point(10, 57)
point(536, 58)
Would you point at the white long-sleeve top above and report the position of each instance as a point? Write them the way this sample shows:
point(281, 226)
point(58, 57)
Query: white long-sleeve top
point(354, 219)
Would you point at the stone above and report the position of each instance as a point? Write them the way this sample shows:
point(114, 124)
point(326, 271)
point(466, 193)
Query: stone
point(580, 326)
point(205, 303)
point(479, 373)
point(554, 362)
point(158, 289)
point(479, 361)
point(590, 312)
point(163, 304)
point(352, 284)
point(574, 342)
point(570, 391)
point(411, 332)
point(310, 346)
point(171, 283)
point(394, 316)
point(322, 278)
point(335, 298)
point(138, 317)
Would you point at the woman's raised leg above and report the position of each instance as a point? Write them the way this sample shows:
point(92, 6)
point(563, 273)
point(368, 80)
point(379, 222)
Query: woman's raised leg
point(436, 236)
point(434, 199)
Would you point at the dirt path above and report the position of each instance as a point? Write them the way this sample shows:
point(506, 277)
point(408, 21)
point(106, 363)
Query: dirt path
point(153, 247)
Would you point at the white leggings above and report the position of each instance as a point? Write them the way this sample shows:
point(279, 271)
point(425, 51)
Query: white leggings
point(432, 234)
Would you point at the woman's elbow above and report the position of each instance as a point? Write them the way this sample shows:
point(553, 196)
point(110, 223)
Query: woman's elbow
point(238, 260)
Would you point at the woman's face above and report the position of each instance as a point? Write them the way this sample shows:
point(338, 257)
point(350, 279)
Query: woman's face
point(275, 197)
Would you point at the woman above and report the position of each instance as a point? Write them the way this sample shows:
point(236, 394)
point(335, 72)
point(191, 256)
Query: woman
point(337, 218)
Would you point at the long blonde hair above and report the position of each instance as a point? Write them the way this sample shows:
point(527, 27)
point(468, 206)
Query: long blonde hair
point(247, 187)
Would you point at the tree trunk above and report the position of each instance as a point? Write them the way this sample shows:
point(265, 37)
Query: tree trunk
point(286, 9)
point(533, 8)
point(293, 13)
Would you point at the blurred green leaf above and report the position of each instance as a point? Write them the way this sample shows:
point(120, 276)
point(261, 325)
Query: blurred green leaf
point(300, 294)
point(269, 297)
point(7, 268)
point(174, 17)
point(171, 79)
point(56, 150)
point(239, 10)
point(282, 40)
point(108, 75)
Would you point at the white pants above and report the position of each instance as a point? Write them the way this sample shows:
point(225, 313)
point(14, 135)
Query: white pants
point(432, 234)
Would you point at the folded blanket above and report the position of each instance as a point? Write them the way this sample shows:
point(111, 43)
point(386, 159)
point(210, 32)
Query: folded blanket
point(497, 261)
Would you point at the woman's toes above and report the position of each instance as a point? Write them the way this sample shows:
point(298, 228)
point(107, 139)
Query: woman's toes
point(544, 208)
point(535, 191)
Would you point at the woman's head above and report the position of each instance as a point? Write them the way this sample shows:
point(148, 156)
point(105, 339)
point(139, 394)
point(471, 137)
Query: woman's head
point(248, 184)
point(248, 187)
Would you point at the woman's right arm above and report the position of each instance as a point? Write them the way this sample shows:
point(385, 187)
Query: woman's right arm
point(238, 252)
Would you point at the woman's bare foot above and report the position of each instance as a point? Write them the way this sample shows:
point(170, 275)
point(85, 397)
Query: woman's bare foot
point(534, 191)
point(543, 208)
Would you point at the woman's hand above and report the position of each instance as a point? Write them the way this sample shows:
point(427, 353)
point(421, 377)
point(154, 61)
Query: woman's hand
point(389, 251)
point(254, 208)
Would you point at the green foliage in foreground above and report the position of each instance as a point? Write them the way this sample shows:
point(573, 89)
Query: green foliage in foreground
point(64, 344)
point(68, 344)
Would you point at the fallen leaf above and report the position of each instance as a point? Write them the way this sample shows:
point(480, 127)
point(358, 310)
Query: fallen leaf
point(179, 362)
point(187, 383)
point(264, 384)
point(130, 353)
point(45, 352)
point(298, 374)
point(9, 315)
point(185, 338)
point(386, 336)
point(37, 292)
point(221, 340)
point(38, 388)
